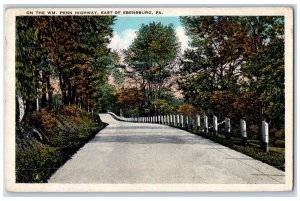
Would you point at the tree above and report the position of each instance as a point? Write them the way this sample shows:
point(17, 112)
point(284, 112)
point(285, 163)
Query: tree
point(72, 49)
point(32, 64)
point(219, 46)
point(129, 100)
point(264, 68)
point(151, 57)
point(187, 109)
point(236, 67)
point(163, 106)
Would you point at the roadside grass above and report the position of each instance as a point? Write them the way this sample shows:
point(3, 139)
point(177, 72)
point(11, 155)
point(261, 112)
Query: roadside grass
point(62, 134)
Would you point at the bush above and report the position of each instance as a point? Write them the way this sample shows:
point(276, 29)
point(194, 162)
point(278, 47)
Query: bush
point(67, 129)
point(44, 120)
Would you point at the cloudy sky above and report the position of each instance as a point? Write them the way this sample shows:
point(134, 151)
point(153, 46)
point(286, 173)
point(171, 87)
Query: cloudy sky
point(125, 29)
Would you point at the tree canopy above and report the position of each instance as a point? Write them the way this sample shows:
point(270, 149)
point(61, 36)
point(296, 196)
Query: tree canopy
point(152, 56)
point(235, 66)
point(72, 49)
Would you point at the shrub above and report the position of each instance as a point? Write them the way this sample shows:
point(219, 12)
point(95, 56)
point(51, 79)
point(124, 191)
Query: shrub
point(187, 109)
point(44, 120)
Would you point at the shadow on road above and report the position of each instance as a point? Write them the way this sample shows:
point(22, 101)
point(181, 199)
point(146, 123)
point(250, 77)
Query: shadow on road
point(152, 139)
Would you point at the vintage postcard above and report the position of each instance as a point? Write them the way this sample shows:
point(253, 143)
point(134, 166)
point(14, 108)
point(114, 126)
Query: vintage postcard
point(149, 99)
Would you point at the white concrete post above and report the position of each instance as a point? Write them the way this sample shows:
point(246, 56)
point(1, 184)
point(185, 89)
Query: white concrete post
point(265, 136)
point(215, 124)
point(181, 118)
point(198, 122)
point(228, 127)
point(206, 123)
point(178, 120)
point(168, 119)
point(243, 132)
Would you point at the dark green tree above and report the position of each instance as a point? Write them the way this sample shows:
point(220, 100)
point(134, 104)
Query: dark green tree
point(219, 45)
point(152, 56)
point(72, 49)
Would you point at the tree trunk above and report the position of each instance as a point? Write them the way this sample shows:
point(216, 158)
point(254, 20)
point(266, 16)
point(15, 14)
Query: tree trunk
point(44, 92)
point(37, 90)
point(50, 92)
point(63, 89)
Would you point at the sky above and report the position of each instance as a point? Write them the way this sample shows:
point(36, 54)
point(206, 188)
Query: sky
point(125, 29)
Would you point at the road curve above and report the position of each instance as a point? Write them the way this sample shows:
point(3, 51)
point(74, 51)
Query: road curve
point(155, 154)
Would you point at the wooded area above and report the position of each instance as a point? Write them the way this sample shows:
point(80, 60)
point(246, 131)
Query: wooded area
point(70, 49)
point(234, 67)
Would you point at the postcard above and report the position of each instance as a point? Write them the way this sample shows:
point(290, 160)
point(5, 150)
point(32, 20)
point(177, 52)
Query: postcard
point(149, 99)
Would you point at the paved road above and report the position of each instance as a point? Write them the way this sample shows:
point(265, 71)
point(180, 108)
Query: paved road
point(151, 153)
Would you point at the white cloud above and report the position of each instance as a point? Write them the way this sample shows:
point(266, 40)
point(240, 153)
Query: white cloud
point(122, 40)
point(183, 38)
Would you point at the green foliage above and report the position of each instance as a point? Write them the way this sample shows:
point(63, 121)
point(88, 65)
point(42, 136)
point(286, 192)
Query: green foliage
point(163, 106)
point(151, 57)
point(67, 130)
point(152, 51)
point(235, 67)
point(72, 49)
point(107, 98)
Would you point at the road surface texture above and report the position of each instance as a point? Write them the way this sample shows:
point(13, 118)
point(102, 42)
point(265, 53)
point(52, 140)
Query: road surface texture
point(155, 154)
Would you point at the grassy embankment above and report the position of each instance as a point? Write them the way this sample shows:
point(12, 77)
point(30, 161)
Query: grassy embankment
point(47, 139)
